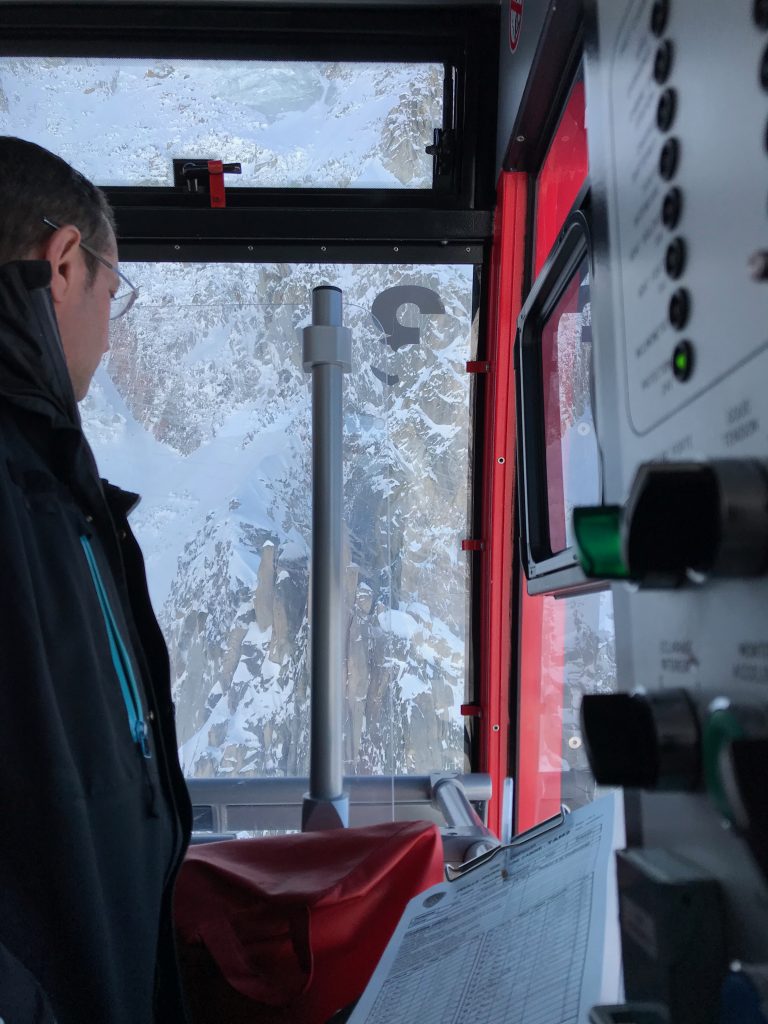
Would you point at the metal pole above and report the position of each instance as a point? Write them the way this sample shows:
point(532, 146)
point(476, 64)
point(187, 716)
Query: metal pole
point(327, 355)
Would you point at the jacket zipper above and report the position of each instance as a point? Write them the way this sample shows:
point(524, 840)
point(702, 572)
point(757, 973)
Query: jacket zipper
point(120, 659)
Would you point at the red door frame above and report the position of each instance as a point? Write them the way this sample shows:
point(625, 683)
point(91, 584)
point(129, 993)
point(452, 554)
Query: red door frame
point(496, 649)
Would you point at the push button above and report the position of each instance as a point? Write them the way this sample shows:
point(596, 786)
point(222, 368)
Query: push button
point(672, 208)
point(669, 159)
point(662, 64)
point(659, 17)
point(682, 361)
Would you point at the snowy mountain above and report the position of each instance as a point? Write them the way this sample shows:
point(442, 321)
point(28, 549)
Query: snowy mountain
point(303, 123)
point(203, 407)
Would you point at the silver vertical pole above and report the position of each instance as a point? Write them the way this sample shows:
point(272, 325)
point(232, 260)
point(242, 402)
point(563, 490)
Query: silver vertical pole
point(327, 355)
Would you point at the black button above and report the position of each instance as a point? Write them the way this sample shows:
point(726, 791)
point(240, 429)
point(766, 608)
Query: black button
point(665, 112)
point(760, 13)
point(674, 261)
point(669, 159)
point(682, 361)
point(662, 65)
point(764, 70)
point(659, 17)
point(679, 308)
point(672, 208)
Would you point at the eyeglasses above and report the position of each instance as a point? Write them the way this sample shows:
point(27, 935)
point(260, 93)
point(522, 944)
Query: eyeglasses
point(118, 304)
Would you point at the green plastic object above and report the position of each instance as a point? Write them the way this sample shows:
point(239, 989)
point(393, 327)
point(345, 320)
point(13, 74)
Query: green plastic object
point(598, 538)
point(722, 727)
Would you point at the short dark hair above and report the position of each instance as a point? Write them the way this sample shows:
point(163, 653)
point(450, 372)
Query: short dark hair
point(35, 183)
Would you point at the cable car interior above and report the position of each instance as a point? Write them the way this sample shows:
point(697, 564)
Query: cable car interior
point(444, 393)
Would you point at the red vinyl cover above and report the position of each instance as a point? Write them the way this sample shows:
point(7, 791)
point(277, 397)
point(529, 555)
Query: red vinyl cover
point(296, 924)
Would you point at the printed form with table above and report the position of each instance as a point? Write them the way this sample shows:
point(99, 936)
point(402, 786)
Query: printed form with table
point(528, 936)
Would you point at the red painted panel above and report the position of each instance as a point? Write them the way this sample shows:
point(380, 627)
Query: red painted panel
point(542, 656)
point(562, 174)
point(505, 300)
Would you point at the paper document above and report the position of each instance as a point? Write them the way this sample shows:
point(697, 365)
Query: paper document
point(528, 937)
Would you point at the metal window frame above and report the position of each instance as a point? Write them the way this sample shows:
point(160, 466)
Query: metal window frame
point(547, 571)
point(458, 37)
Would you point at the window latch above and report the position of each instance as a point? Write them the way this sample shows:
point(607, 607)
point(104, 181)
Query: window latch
point(204, 177)
point(443, 152)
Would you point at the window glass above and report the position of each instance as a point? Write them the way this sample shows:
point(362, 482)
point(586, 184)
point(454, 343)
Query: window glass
point(568, 650)
point(203, 407)
point(121, 121)
point(562, 174)
point(573, 471)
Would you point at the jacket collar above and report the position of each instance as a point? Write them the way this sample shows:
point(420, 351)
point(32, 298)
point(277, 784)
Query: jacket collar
point(33, 371)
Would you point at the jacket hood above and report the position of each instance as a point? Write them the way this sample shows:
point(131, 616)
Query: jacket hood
point(33, 371)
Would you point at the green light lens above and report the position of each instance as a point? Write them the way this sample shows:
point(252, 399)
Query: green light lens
point(598, 537)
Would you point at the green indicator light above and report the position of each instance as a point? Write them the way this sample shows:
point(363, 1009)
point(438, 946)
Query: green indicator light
point(598, 538)
point(682, 361)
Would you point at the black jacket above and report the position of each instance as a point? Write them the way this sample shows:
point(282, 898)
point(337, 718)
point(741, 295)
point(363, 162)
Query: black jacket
point(94, 813)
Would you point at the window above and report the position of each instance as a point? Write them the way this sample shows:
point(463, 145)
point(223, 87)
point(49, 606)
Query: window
point(203, 407)
point(572, 468)
point(297, 124)
point(568, 650)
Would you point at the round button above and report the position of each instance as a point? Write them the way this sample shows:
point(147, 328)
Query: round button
point(674, 261)
point(669, 159)
point(659, 17)
point(662, 64)
point(760, 13)
point(682, 361)
point(679, 308)
point(672, 208)
point(665, 111)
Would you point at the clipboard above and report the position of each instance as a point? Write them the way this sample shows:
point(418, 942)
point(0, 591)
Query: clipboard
point(530, 835)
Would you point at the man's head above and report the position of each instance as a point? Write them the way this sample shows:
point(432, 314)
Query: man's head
point(38, 186)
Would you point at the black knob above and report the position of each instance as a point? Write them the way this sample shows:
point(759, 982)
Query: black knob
point(708, 518)
point(643, 741)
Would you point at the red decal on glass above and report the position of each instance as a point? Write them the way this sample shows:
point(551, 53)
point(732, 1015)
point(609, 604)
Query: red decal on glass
point(515, 23)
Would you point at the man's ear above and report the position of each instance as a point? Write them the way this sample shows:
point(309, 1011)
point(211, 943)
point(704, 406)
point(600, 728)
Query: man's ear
point(62, 252)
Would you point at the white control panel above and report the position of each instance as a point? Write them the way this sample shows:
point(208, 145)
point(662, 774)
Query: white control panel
point(677, 119)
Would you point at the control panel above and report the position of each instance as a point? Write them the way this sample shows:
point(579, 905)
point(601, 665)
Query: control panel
point(677, 119)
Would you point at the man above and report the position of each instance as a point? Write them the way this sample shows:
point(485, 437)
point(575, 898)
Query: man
point(95, 816)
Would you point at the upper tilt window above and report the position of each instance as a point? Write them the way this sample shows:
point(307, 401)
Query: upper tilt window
point(298, 124)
